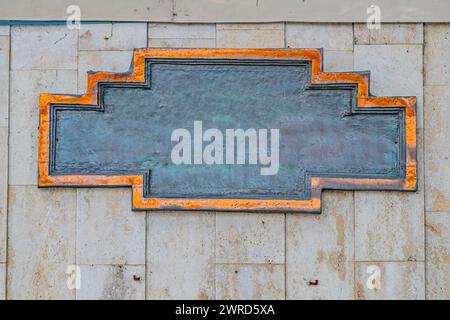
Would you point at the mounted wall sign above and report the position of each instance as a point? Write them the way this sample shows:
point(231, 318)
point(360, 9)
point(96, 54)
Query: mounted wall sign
point(228, 129)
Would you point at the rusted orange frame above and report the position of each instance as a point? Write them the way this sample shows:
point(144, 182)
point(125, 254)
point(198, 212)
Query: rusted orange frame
point(137, 74)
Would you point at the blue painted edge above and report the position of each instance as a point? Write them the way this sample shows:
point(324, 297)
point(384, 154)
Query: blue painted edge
point(56, 22)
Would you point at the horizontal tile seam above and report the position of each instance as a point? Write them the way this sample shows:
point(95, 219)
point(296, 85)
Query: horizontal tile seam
point(436, 85)
point(250, 263)
point(109, 265)
point(250, 29)
point(153, 23)
point(51, 69)
point(325, 50)
point(391, 45)
point(109, 50)
point(429, 86)
point(390, 261)
point(182, 38)
point(437, 212)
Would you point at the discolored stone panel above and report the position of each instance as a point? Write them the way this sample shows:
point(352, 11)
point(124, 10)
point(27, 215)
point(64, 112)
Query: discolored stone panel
point(438, 255)
point(2, 281)
point(41, 242)
point(321, 248)
point(180, 255)
point(396, 280)
point(250, 281)
point(112, 282)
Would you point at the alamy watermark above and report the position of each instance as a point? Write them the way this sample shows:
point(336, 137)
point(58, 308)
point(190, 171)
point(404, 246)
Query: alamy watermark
point(73, 21)
point(73, 273)
point(373, 17)
point(250, 146)
point(374, 280)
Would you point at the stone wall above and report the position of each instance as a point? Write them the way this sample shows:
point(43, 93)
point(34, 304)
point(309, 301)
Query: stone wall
point(137, 255)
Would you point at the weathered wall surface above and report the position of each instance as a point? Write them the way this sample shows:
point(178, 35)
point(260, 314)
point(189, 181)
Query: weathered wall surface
point(136, 255)
point(229, 11)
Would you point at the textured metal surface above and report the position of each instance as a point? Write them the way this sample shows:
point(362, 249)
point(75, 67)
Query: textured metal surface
point(327, 140)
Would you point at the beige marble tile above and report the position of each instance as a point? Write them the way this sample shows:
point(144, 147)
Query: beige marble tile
point(43, 47)
point(4, 80)
point(321, 248)
point(4, 30)
point(249, 282)
point(26, 86)
point(397, 280)
point(41, 242)
point(180, 35)
point(180, 255)
point(389, 33)
point(250, 237)
point(395, 70)
point(437, 148)
point(328, 36)
point(337, 61)
point(438, 255)
point(2, 281)
point(437, 54)
point(267, 35)
point(112, 282)
point(112, 36)
point(389, 224)
point(108, 231)
point(3, 192)
point(113, 61)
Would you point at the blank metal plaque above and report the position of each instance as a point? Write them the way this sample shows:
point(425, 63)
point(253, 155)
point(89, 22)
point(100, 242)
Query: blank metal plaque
point(332, 133)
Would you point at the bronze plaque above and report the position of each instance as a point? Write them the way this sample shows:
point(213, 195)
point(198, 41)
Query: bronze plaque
point(228, 129)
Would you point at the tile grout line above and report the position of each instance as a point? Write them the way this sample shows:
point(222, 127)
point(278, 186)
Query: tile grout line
point(437, 212)
point(436, 85)
point(111, 264)
point(215, 256)
point(145, 252)
point(285, 215)
point(215, 35)
point(353, 192)
point(256, 264)
point(77, 189)
point(285, 258)
point(215, 213)
point(43, 70)
point(424, 162)
point(7, 168)
point(388, 44)
point(107, 50)
point(390, 261)
point(146, 212)
point(354, 246)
